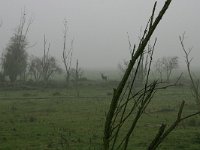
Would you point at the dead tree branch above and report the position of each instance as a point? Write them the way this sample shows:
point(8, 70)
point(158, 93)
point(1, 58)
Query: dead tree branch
point(67, 54)
point(163, 132)
point(188, 60)
point(108, 129)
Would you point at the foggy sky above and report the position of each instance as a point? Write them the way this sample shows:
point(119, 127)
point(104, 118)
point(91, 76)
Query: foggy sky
point(99, 27)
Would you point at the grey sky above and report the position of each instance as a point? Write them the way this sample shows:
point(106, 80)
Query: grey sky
point(99, 27)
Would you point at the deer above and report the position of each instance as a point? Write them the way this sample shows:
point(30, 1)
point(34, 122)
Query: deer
point(104, 77)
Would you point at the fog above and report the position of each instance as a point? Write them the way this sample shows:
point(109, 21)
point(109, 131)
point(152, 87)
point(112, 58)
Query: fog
point(99, 28)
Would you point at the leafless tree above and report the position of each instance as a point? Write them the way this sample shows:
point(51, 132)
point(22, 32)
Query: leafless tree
point(1, 23)
point(166, 65)
point(169, 64)
point(35, 68)
point(49, 65)
point(159, 68)
point(142, 70)
point(126, 107)
point(77, 75)
point(2, 75)
point(67, 54)
point(43, 68)
point(194, 82)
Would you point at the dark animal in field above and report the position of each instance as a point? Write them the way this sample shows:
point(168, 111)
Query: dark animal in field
point(104, 77)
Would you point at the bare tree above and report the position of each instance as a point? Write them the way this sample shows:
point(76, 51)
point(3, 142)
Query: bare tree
point(49, 65)
point(142, 70)
point(67, 54)
point(169, 64)
point(1, 23)
point(126, 107)
point(194, 82)
point(2, 75)
point(43, 68)
point(77, 75)
point(35, 68)
point(159, 68)
point(166, 65)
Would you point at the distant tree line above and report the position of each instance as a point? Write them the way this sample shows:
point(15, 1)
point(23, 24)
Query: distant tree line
point(17, 65)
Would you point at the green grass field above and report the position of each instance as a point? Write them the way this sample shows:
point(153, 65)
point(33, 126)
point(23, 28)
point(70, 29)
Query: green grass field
point(56, 119)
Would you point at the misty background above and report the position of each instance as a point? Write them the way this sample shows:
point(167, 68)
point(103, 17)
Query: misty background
point(99, 28)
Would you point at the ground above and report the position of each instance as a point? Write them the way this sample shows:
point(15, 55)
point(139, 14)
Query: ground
point(54, 118)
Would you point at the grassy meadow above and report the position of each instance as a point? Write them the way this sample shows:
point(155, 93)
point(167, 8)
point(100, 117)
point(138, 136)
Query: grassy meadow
point(54, 118)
